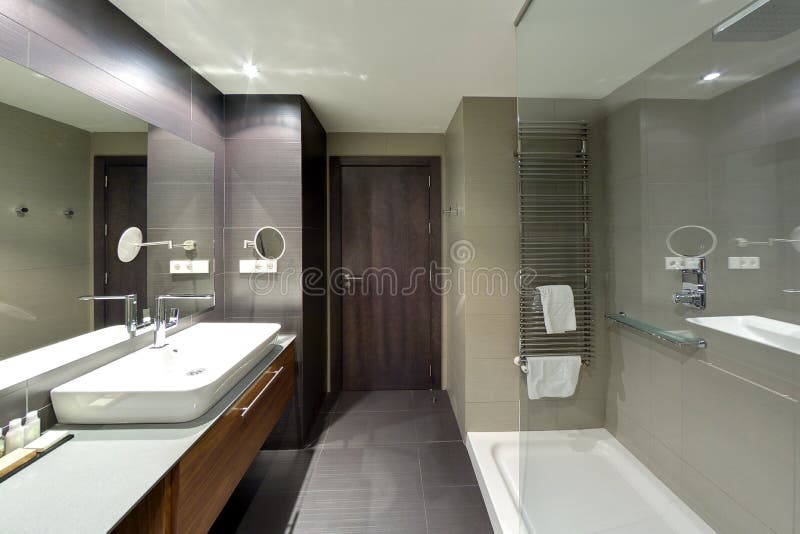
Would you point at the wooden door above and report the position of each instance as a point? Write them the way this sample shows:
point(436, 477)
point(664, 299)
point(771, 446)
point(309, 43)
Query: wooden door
point(387, 316)
point(122, 186)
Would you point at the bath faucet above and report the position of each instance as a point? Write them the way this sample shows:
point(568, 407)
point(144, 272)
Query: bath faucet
point(164, 323)
point(130, 309)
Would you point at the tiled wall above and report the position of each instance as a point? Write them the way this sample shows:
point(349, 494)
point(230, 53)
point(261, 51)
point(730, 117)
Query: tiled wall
point(453, 311)
point(93, 47)
point(720, 425)
point(275, 176)
point(45, 261)
point(481, 321)
point(180, 204)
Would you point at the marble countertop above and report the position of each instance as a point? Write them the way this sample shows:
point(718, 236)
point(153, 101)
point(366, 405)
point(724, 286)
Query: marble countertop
point(91, 482)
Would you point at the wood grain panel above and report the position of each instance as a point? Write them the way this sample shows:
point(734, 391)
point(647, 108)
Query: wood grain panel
point(206, 476)
point(153, 513)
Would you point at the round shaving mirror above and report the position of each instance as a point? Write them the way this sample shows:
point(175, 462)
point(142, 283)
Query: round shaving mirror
point(269, 243)
point(691, 241)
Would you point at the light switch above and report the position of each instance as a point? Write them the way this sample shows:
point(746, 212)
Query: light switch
point(747, 262)
point(677, 263)
point(258, 266)
point(188, 267)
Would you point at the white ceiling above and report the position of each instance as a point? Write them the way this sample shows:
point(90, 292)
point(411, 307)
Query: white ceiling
point(25, 89)
point(364, 65)
point(589, 48)
point(402, 66)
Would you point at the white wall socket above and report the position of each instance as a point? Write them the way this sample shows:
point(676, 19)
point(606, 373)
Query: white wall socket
point(258, 266)
point(188, 267)
point(676, 263)
point(749, 262)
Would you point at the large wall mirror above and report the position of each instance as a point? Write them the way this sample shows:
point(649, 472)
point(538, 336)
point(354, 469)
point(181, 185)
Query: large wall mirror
point(74, 175)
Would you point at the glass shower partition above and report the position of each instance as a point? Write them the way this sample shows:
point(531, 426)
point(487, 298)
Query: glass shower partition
point(692, 275)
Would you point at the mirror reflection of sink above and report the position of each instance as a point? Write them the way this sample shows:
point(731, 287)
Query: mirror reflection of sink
point(777, 334)
point(173, 384)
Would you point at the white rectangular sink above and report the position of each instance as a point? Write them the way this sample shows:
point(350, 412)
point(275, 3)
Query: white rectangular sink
point(777, 334)
point(173, 384)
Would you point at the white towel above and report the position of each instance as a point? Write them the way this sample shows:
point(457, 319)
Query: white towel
point(553, 376)
point(558, 307)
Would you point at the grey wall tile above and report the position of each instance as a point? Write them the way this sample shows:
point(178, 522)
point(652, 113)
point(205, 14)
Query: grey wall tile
point(13, 41)
point(262, 161)
point(263, 117)
point(13, 404)
point(264, 204)
point(754, 466)
point(208, 106)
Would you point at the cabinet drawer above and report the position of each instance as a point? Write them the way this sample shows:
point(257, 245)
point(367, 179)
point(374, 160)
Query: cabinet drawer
point(207, 475)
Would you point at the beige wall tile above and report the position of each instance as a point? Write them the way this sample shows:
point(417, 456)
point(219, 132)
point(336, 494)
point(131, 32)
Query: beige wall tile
point(493, 336)
point(667, 396)
point(491, 380)
point(722, 512)
point(741, 437)
point(492, 416)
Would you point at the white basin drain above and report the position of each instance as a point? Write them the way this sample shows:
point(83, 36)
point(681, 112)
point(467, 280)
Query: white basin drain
point(195, 372)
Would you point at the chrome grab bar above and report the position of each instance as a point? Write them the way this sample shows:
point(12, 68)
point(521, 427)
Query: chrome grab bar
point(265, 388)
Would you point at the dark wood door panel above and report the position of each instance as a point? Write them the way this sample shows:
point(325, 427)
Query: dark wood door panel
point(385, 244)
point(121, 183)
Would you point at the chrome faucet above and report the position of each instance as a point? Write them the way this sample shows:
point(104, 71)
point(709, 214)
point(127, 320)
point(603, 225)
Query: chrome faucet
point(131, 311)
point(164, 323)
point(694, 290)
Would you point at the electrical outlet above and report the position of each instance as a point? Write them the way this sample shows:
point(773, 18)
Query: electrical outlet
point(677, 263)
point(188, 266)
point(258, 266)
point(674, 263)
point(747, 262)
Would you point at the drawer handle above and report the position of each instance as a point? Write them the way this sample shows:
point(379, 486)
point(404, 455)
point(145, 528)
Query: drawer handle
point(265, 388)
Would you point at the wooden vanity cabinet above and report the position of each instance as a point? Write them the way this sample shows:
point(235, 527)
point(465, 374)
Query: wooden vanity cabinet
point(191, 496)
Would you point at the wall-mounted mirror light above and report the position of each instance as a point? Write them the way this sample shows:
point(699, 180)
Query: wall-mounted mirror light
point(691, 241)
point(130, 243)
point(794, 239)
point(268, 243)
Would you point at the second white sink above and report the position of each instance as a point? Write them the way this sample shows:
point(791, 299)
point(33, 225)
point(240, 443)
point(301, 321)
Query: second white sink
point(174, 384)
point(777, 334)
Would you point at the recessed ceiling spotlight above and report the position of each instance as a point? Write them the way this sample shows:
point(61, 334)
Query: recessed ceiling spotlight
point(711, 76)
point(249, 70)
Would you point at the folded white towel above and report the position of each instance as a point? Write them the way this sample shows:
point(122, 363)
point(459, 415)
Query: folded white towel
point(558, 307)
point(553, 376)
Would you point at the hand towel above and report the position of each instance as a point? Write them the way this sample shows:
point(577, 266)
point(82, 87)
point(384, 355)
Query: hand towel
point(558, 307)
point(553, 376)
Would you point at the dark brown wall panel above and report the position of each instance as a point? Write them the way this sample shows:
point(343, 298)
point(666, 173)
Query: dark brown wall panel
point(275, 175)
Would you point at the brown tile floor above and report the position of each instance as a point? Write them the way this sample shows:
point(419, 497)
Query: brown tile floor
point(387, 461)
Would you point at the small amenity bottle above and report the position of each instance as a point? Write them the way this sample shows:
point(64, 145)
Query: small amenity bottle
point(14, 436)
point(32, 427)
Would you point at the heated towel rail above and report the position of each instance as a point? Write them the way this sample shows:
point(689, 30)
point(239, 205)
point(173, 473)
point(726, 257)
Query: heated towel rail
point(555, 242)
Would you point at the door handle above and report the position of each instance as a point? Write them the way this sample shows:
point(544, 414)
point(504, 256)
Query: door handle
point(348, 279)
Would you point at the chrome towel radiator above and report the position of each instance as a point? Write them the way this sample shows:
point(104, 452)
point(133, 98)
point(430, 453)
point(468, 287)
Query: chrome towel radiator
point(555, 242)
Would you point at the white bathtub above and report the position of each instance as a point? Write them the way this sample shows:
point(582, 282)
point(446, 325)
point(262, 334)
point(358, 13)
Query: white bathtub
point(576, 481)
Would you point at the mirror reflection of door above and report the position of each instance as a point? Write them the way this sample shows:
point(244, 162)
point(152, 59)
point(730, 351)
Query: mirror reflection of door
point(120, 202)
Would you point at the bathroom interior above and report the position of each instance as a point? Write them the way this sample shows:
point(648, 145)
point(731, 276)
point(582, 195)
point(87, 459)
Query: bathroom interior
point(438, 266)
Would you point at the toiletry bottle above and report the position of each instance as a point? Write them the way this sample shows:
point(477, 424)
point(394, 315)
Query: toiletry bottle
point(32, 427)
point(2, 443)
point(14, 437)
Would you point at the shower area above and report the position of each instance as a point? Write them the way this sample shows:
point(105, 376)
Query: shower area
point(659, 178)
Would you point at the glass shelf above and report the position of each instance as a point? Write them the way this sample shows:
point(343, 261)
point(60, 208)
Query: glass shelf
point(670, 336)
